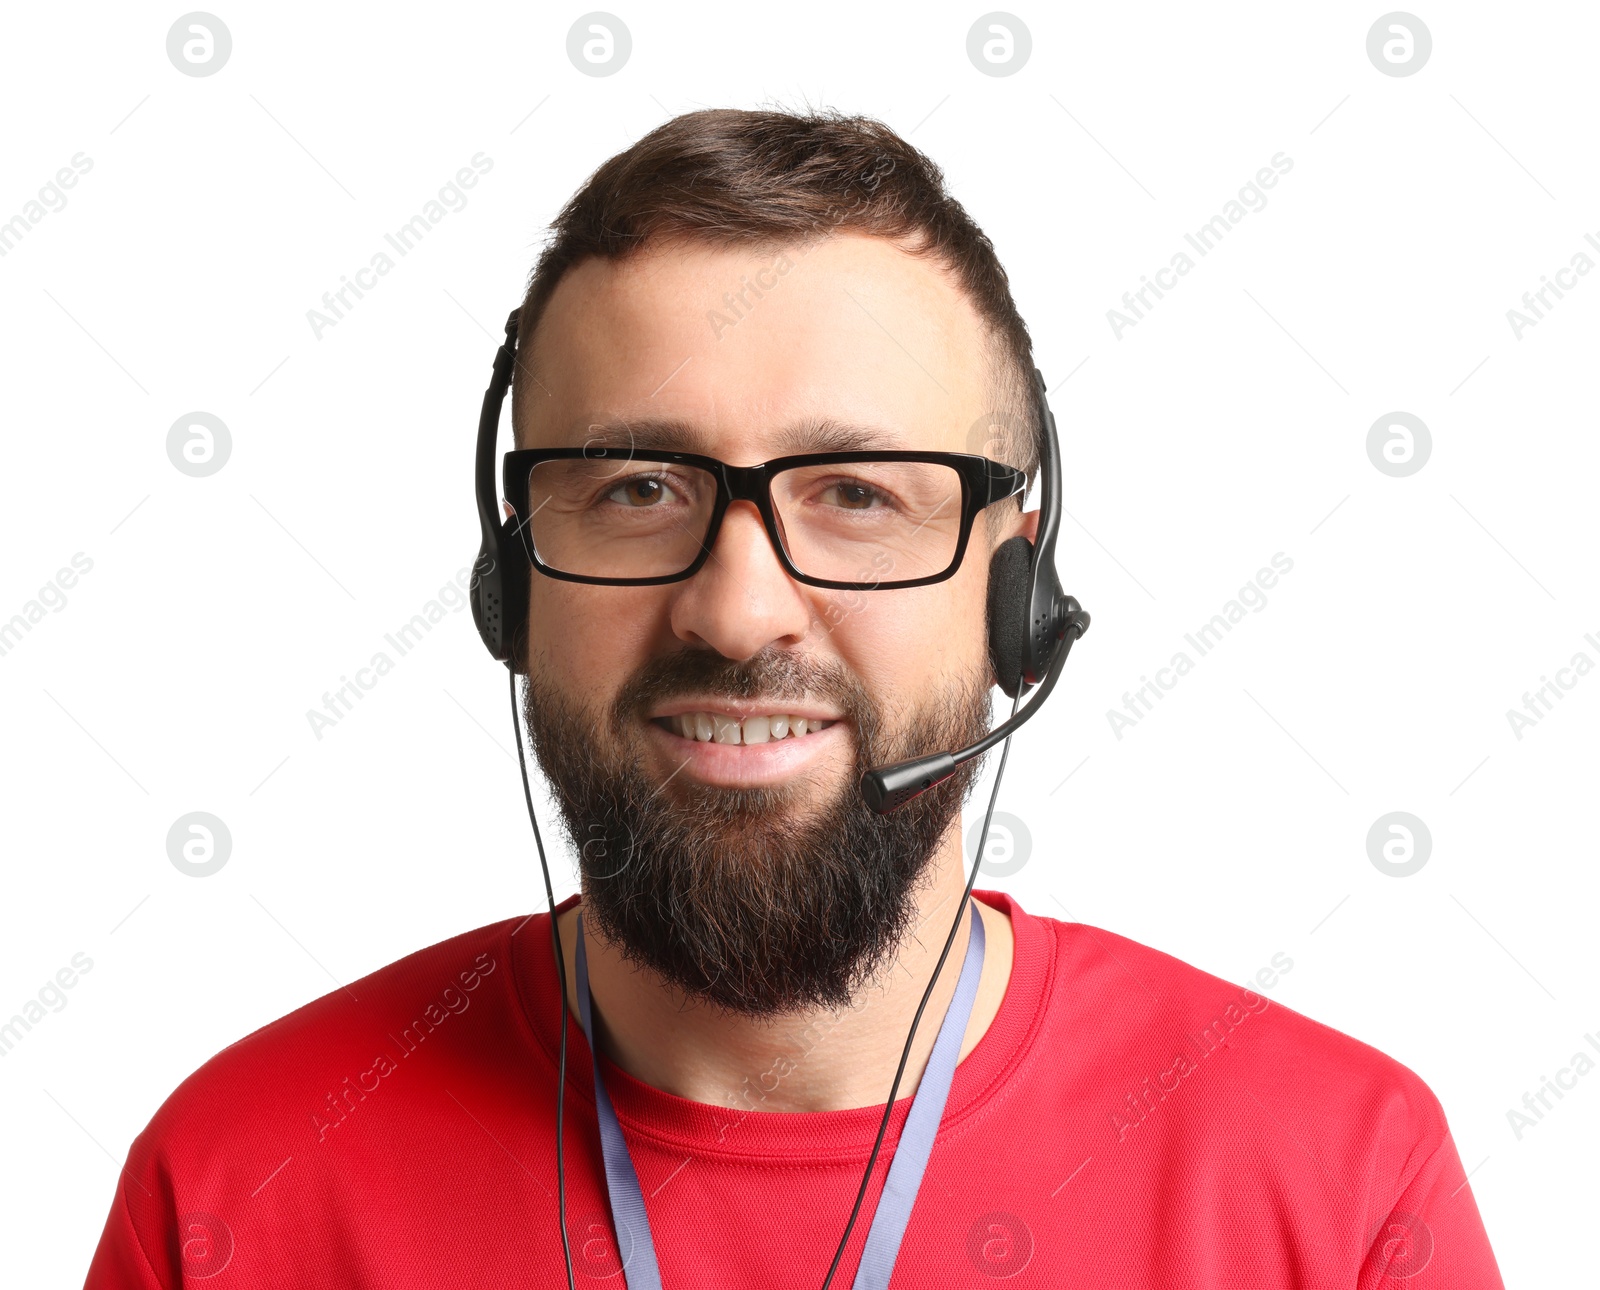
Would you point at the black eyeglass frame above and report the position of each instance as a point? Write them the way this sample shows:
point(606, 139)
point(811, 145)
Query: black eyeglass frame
point(984, 482)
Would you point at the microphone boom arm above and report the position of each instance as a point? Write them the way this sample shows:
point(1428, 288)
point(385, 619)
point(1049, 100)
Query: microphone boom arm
point(888, 788)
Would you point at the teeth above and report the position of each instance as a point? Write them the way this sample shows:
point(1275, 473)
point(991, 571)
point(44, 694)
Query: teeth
point(706, 727)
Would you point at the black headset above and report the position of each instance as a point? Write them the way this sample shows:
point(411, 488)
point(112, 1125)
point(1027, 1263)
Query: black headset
point(1032, 625)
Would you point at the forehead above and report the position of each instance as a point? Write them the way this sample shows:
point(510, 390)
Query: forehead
point(749, 353)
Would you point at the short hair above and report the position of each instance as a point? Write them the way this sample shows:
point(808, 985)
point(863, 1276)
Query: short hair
point(727, 176)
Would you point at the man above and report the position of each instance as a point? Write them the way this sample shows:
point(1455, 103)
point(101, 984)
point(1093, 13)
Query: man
point(747, 286)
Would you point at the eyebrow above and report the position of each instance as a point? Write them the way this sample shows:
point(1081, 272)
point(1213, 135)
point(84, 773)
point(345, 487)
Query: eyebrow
point(811, 434)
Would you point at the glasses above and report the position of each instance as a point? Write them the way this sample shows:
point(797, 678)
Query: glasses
point(855, 521)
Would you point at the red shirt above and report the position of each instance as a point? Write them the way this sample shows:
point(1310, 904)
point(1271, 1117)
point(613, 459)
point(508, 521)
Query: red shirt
point(1126, 1121)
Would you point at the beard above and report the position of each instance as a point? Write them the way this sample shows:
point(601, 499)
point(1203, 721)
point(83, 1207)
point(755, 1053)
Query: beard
point(741, 897)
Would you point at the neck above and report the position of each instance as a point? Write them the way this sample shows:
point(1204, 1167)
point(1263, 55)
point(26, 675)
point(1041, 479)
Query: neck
point(806, 1061)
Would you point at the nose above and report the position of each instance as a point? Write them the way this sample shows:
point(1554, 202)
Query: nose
point(742, 599)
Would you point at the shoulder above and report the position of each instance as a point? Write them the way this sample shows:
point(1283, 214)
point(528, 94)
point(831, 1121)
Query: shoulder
point(287, 1081)
point(278, 1125)
point(1155, 1023)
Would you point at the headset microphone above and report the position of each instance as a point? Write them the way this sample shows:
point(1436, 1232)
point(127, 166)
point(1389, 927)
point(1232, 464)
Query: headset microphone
point(886, 788)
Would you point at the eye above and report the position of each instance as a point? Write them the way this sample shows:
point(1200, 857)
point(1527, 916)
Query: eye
point(850, 495)
point(640, 492)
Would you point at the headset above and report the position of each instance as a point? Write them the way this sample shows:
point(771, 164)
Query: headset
point(1032, 626)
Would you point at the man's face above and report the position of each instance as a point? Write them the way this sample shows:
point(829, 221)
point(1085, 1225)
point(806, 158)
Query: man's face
point(748, 871)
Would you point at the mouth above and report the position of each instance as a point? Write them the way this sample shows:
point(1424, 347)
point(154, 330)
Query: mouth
point(746, 745)
point(705, 726)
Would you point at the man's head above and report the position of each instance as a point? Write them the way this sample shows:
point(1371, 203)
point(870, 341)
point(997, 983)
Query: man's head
point(747, 286)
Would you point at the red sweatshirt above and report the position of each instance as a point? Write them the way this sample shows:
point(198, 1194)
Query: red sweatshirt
point(1127, 1121)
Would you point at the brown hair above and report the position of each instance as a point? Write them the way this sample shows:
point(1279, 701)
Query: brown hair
point(769, 178)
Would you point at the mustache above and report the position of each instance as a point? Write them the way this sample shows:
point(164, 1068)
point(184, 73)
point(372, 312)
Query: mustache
point(772, 674)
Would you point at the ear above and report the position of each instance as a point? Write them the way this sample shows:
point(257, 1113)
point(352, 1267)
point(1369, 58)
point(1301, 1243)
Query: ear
point(1016, 524)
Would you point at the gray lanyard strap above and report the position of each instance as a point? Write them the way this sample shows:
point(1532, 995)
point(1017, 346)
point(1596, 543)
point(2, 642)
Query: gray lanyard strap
point(899, 1194)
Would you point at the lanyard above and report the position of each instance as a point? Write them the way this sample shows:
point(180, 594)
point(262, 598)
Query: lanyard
point(899, 1194)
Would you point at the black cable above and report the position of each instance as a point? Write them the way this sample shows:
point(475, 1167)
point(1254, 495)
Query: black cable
point(561, 973)
point(905, 1055)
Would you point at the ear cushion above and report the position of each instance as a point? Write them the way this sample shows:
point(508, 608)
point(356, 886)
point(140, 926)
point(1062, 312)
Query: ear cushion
point(1010, 584)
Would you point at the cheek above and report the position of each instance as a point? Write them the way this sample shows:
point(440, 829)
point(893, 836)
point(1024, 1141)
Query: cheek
point(912, 641)
point(586, 640)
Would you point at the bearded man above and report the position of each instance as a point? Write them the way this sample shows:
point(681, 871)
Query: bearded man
point(775, 413)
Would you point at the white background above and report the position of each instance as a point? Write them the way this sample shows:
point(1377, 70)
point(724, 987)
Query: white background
point(1229, 424)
